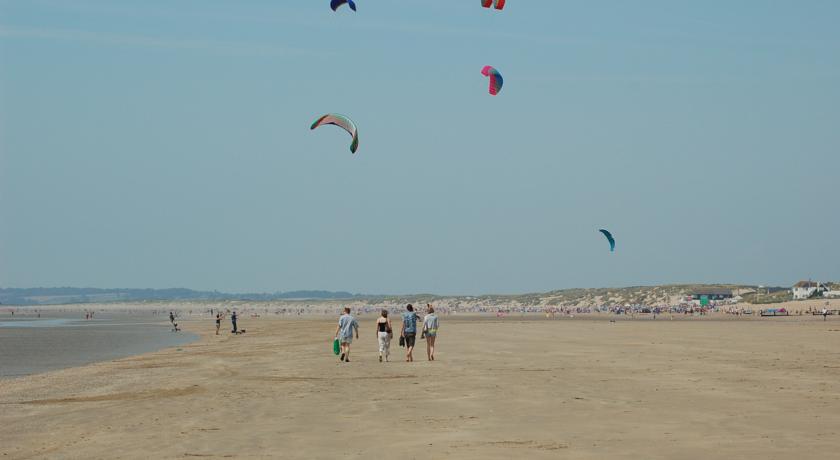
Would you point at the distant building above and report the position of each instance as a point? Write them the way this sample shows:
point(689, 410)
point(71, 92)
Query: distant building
point(712, 294)
point(706, 295)
point(831, 290)
point(807, 289)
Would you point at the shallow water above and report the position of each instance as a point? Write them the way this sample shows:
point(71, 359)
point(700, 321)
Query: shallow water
point(54, 322)
point(30, 345)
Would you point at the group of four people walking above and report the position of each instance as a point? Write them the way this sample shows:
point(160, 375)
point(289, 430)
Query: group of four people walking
point(348, 326)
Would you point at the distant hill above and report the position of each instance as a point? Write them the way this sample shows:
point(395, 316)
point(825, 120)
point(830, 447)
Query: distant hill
point(69, 295)
point(635, 295)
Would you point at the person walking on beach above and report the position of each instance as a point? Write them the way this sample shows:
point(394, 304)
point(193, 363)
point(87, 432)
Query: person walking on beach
point(825, 313)
point(171, 317)
point(409, 331)
point(218, 322)
point(384, 333)
point(430, 328)
point(344, 333)
point(233, 321)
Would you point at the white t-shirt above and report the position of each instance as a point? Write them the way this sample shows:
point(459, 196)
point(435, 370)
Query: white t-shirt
point(430, 323)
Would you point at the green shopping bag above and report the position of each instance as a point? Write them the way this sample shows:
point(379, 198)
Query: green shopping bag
point(336, 347)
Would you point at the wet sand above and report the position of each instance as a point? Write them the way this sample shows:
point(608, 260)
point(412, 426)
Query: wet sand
point(594, 389)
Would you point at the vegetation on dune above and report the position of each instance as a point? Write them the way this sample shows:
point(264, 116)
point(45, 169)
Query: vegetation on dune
point(764, 297)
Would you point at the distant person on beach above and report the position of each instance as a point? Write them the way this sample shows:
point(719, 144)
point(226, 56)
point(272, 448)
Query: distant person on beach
point(218, 322)
point(384, 333)
point(233, 322)
point(825, 313)
point(430, 328)
point(344, 333)
point(171, 317)
point(409, 331)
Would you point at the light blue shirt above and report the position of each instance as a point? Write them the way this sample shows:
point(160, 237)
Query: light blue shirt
point(346, 324)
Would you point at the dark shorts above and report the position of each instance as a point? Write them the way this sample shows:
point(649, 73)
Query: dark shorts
point(409, 339)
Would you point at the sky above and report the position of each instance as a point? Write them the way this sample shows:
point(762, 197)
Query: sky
point(167, 144)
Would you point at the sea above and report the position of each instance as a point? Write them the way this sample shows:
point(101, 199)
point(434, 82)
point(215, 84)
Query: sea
point(30, 344)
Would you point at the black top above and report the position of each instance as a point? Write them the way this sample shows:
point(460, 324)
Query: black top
point(383, 326)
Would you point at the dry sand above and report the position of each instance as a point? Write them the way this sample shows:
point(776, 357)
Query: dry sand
point(510, 388)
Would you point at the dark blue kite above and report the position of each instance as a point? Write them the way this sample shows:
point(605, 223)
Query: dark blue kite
point(334, 4)
point(609, 238)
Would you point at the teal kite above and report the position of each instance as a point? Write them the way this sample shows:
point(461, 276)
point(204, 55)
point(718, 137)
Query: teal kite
point(609, 238)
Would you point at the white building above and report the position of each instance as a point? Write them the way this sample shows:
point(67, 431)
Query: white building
point(807, 289)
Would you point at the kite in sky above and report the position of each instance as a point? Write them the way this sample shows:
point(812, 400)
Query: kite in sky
point(342, 122)
point(334, 4)
point(498, 4)
point(609, 238)
point(496, 80)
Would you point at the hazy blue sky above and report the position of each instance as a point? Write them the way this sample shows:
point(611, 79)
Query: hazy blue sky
point(167, 143)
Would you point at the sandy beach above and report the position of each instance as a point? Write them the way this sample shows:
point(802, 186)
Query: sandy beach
point(501, 388)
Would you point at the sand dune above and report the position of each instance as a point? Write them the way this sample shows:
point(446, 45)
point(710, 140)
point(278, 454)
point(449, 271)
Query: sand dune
point(500, 389)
